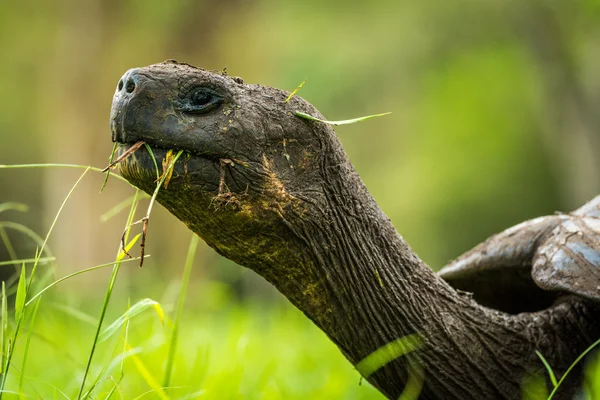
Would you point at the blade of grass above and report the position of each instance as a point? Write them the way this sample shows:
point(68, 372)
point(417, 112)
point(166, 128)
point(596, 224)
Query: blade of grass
point(548, 368)
point(149, 150)
point(108, 294)
point(124, 251)
point(165, 164)
point(146, 219)
point(150, 380)
point(114, 389)
point(414, 385)
point(62, 206)
point(194, 396)
point(27, 261)
point(295, 91)
point(27, 342)
point(53, 165)
point(136, 309)
point(56, 390)
point(336, 123)
point(596, 343)
point(13, 206)
point(117, 265)
point(110, 161)
point(120, 359)
point(124, 155)
point(8, 392)
point(187, 272)
point(83, 271)
point(21, 295)
point(388, 353)
point(3, 328)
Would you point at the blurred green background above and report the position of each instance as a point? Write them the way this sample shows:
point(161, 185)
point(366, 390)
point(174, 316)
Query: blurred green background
point(494, 119)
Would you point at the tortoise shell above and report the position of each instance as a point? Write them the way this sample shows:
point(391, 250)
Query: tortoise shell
point(531, 265)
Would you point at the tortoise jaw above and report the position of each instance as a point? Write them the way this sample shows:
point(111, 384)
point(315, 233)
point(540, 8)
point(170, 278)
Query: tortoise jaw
point(145, 165)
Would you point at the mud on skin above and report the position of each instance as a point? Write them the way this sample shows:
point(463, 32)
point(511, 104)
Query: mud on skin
point(277, 194)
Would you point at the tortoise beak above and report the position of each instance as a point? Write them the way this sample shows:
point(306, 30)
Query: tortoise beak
point(135, 108)
point(126, 90)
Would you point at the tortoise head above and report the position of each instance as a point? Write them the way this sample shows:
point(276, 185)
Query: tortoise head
point(251, 170)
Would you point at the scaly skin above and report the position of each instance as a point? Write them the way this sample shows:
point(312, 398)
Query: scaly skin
point(277, 194)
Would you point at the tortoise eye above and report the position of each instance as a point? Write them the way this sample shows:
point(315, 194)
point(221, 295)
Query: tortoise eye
point(201, 98)
point(201, 101)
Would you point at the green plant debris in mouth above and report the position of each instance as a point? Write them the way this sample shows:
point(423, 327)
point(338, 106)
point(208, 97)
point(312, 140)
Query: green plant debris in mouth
point(110, 161)
point(168, 164)
point(295, 91)
point(167, 172)
point(123, 156)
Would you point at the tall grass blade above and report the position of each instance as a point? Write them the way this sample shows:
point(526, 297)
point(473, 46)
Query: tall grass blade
point(548, 368)
point(295, 91)
point(21, 295)
point(336, 123)
point(83, 271)
point(187, 272)
point(150, 380)
point(596, 343)
point(27, 261)
point(166, 173)
point(149, 150)
point(54, 165)
point(108, 295)
point(3, 329)
point(414, 385)
point(110, 160)
point(62, 206)
point(127, 248)
point(136, 309)
point(534, 387)
point(120, 359)
point(27, 343)
point(388, 353)
point(14, 206)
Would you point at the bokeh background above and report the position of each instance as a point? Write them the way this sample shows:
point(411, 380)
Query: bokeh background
point(495, 117)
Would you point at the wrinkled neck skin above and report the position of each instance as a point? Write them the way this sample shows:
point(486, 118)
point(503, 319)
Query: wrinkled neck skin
point(336, 256)
point(368, 288)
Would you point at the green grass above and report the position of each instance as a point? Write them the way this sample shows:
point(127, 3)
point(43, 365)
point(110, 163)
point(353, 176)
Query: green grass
point(250, 350)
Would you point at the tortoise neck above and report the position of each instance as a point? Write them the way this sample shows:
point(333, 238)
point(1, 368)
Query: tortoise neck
point(365, 288)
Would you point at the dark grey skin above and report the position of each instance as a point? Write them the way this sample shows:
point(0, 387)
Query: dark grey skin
point(278, 194)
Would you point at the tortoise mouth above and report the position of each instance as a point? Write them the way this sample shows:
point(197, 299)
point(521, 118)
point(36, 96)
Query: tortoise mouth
point(145, 165)
point(158, 152)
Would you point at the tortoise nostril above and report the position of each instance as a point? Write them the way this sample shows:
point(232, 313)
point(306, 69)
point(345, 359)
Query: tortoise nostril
point(120, 86)
point(130, 87)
